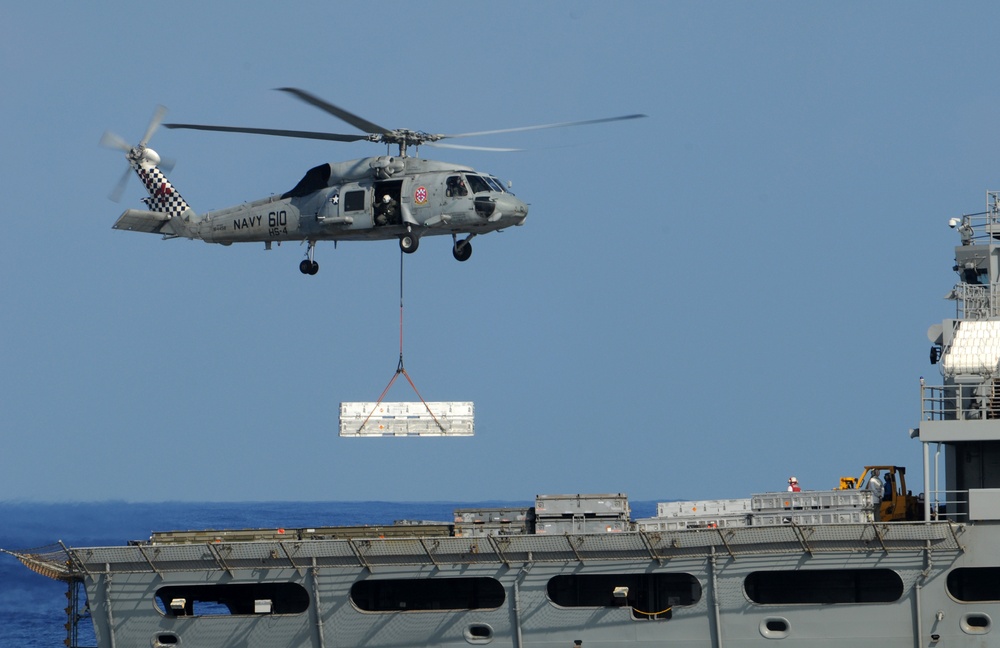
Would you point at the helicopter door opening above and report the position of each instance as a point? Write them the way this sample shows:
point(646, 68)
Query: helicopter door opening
point(386, 199)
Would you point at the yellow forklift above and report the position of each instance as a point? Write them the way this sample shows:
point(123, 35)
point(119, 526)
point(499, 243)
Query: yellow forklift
point(897, 503)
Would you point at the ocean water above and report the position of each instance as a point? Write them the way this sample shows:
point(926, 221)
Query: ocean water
point(32, 606)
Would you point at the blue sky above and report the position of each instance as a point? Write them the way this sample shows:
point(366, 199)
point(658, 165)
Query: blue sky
point(701, 303)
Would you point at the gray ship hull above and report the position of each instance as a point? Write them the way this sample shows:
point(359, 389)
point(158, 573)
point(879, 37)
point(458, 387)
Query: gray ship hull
point(715, 597)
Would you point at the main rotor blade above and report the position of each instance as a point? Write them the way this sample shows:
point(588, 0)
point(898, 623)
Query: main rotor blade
point(358, 122)
point(154, 123)
point(543, 126)
point(471, 148)
point(271, 131)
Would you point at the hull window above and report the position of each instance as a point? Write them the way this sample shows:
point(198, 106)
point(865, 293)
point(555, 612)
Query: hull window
point(409, 595)
point(975, 583)
point(824, 586)
point(976, 624)
point(650, 596)
point(231, 599)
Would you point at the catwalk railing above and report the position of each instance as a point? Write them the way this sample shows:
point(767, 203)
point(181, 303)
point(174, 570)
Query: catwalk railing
point(373, 553)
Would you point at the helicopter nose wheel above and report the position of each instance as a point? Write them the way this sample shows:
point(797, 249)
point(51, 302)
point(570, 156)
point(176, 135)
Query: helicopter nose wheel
point(309, 265)
point(462, 250)
point(409, 243)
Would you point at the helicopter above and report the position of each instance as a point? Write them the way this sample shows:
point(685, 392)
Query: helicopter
point(375, 198)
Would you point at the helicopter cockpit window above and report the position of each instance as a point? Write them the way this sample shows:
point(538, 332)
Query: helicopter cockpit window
point(455, 187)
point(477, 184)
point(495, 184)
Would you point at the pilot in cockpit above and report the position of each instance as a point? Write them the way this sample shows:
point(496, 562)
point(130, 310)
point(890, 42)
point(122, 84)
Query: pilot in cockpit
point(455, 187)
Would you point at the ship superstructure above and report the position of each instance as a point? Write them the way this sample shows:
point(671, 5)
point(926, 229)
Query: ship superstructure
point(861, 565)
point(960, 417)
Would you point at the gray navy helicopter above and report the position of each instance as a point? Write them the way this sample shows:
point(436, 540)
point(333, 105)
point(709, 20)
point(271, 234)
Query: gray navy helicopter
point(375, 198)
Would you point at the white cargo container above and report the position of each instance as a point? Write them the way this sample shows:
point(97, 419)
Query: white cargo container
point(821, 516)
point(447, 418)
point(683, 523)
point(702, 508)
point(821, 499)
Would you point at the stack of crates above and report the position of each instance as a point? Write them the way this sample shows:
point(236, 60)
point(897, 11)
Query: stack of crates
point(480, 522)
point(560, 514)
point(764, 509)
point(813, 507)
point(703, 514)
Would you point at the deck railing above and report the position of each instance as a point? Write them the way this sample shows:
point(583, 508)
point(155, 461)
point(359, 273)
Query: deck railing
point(975, 402)
point(952, 505)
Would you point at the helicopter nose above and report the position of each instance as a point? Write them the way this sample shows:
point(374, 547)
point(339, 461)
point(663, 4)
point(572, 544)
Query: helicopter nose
point(512, 209)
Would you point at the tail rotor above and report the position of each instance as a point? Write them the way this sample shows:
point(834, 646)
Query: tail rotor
point(135, 155)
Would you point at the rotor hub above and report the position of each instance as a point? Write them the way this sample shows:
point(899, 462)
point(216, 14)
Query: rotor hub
point(140, 154)
point(403, 138)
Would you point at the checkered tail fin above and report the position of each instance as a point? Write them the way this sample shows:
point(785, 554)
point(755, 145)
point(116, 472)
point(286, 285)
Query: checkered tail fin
point(163, 197)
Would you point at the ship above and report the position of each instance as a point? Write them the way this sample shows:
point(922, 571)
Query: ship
point(865, 563)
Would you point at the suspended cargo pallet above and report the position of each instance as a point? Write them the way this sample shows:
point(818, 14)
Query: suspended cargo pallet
point(374, 419)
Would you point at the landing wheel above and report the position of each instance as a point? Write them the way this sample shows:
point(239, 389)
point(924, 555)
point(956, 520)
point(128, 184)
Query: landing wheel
point(308, 267)
point(408, 243)
point(462, 250)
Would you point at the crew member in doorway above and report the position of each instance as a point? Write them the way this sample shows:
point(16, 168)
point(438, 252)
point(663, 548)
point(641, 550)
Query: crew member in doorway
point(386, 211)
point(793, 485)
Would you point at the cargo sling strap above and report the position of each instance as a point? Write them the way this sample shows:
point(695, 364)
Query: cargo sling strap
point(400, 369)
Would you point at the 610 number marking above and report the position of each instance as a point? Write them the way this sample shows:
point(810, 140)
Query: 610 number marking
point(277, 223)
